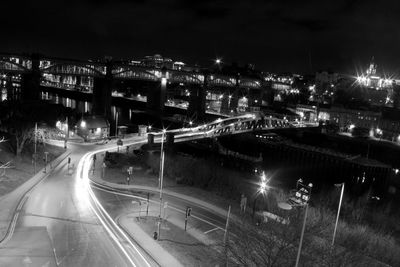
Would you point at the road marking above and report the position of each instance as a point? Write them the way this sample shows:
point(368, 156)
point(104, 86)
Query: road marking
point(209, 231)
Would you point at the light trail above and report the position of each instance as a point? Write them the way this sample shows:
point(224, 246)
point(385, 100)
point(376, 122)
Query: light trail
point(170, 206)
point(82, 178)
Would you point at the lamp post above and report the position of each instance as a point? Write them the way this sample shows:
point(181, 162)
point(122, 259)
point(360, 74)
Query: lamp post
point(337, 216)
point(161, 178)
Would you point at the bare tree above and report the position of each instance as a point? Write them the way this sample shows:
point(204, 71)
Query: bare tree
point(268, 244)
point(4, 166)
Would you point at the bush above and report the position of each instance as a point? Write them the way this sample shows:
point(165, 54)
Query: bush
point(201, 173)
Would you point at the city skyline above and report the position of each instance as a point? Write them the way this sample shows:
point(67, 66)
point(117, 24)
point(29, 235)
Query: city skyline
point(277, 37)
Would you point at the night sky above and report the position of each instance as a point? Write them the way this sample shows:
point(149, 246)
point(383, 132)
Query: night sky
point(279, 36)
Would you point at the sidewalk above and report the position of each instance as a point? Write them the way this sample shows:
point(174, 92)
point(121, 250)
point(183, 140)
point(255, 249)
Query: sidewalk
point(175, 246)
point(148, 244)
point(10, 202)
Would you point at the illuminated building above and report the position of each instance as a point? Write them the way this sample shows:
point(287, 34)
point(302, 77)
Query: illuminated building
point(371, 79)
point(93, 128)
point(157, 61)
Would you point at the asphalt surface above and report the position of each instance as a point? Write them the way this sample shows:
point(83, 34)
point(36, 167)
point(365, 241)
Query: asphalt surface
point(123, 202)
point(57, 227)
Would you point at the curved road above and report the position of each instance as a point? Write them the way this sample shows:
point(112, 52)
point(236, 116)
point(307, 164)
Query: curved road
point(59, 223)
point(57, 226)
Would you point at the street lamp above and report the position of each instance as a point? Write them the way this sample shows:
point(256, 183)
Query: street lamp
point(161, 178)
point(218, 61)
point(83, 124)
point(263, 186)
point(337, 216)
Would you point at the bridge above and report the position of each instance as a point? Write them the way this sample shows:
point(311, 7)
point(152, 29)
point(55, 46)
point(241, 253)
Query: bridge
point(99, 78)
point(233, 125)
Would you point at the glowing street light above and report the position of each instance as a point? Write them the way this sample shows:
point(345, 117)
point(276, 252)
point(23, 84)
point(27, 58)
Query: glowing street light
point(263, 187)
point(83, 124)
point(218, 61)
point(352, 126)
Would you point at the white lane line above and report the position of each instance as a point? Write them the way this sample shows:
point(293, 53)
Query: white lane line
point(209, 231)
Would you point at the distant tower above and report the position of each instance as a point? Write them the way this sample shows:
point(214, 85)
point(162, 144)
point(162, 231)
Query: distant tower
point(372, 68)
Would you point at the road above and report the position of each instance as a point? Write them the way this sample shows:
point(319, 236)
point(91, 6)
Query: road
point(57, 226)
point(123, 202)
point(61, 223)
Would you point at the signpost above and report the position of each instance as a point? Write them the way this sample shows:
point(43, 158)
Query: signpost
point(45, 160)
point(94, 162)
point(302, 198)
point(165, 209)
point(148, 201)
point(104, 169)
point(119, 143)
point(187, 215)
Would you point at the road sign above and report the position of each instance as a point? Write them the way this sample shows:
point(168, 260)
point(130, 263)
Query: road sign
point(119, 142)
point(188, 211)
point(165, 204)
